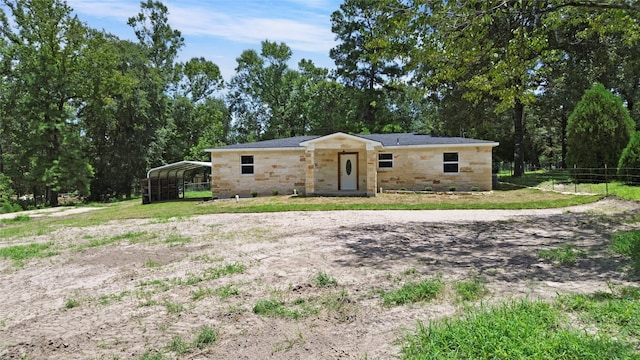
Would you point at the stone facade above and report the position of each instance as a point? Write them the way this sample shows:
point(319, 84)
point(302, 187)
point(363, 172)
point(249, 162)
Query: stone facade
point(418, 168)
point(274, 170)
point(314, 167)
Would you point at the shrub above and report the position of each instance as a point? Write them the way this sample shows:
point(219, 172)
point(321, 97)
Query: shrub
point(428, 188)
point(598, 130)
point(254, 193)
point(453, 188)
point(629, 164)
point(275, 192)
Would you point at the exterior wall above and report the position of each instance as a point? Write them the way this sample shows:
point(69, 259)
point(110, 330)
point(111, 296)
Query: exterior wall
point(281, 170)
point(417, 168)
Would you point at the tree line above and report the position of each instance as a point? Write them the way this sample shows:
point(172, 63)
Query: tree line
point(83, 110)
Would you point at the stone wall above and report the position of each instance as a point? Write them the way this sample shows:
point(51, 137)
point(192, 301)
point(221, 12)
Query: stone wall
point(274, 170)
point(417, 168)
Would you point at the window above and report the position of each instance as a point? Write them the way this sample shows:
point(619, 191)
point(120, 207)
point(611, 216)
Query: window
point(450, 161)
point(385, 160)
point(246, 164)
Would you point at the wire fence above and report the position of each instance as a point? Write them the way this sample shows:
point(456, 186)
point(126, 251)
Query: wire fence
point(605, 180)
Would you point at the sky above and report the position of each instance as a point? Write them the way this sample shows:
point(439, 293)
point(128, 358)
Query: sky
point(220, 30)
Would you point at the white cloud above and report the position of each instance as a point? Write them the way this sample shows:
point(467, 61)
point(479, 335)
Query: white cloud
point(121, 10)
point(307, 31)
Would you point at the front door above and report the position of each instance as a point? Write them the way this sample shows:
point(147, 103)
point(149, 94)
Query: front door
point(348, 172)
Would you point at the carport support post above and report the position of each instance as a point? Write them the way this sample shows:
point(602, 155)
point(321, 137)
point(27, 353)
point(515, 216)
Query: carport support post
point(149, 187)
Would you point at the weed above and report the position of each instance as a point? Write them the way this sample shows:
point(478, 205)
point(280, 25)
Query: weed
point(173, 307)
point(564, 256)
point(71, 303)
point(275, 192)
point(340, 306)
point(289, 343)
point(410, 271)
point(413, 292)
point(175, 239)
point(152, 355)
point(229, 269)
point(475, 188)
point(428, 188)
point(254, 194)
point(205, 337)
point(470, 290)
point(107, 299)
point(322, 279)
point(452, 188)
point(152, 264)
point(208, 259)
point(178, 345)
point(200, 293)
point(227, 291)
point(272, 307)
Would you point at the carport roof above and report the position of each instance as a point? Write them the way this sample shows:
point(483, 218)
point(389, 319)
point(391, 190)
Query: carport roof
point(177, 169)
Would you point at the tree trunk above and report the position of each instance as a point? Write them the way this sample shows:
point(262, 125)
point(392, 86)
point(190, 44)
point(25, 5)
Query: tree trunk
point(518, 137)
point(563, 142)
point(53, 197)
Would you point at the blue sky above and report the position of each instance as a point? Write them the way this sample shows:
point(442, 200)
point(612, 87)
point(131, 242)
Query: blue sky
point(220, 30)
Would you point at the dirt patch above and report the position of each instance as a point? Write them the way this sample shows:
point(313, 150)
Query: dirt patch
point(140, 292)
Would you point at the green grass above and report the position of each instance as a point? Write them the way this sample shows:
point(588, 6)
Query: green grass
point(412, 292)
point(200, 293)
point(566, 255)
point(518, 330)
point(615, 313)
point(322, 279)
point(470, 290)
point(21, 253)
point(16, 219)
point(508, 198)
point(628, 244)
point(298, 309)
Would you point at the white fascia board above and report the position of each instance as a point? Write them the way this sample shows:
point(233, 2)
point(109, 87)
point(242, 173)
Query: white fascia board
point(255, 149)
point(340, 134)
point(492, 144)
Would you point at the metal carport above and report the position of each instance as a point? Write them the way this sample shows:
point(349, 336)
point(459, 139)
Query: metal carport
point(164, 182)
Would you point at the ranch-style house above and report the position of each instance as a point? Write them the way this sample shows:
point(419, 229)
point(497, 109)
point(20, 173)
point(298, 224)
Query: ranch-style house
point(343, 164)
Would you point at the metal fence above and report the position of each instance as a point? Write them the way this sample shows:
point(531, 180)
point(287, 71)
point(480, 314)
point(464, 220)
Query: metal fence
point(200, 186)
point(575, 180)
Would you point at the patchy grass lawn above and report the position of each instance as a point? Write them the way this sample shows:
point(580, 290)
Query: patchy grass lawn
point(134, 281)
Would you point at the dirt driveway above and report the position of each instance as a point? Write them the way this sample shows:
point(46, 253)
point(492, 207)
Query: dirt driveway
point(123, 289)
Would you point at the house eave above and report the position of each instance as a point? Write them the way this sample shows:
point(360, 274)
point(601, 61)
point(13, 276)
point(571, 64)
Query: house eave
point(489, 144)
point(214, 150)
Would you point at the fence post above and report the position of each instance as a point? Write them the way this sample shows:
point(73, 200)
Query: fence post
point(575, 180)
point(606, 181)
